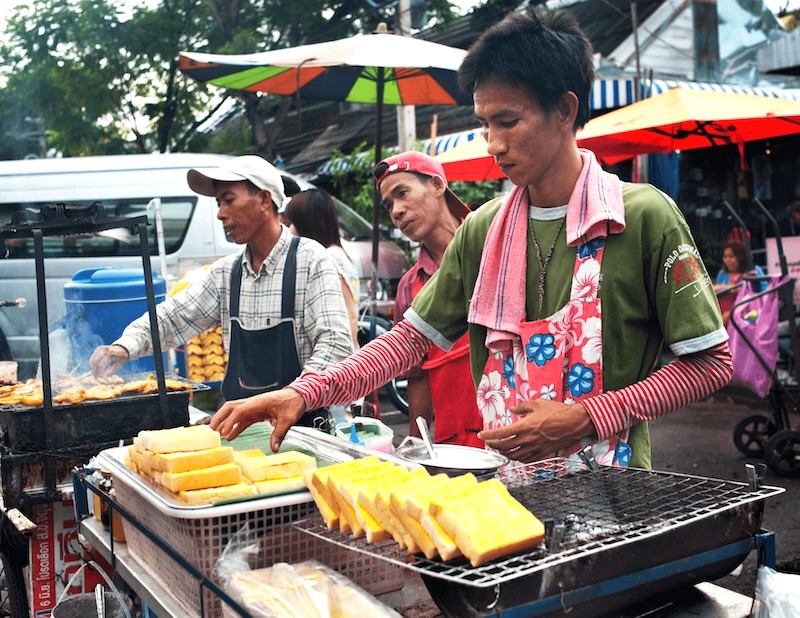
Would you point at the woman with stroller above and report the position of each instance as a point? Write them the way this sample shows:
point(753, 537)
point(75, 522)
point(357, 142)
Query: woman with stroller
point(729, 277)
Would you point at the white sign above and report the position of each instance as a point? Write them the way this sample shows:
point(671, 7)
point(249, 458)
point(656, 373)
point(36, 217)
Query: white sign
point(791, 251)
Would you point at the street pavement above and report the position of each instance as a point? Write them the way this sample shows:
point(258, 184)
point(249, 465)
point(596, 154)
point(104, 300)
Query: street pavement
point(698, 440)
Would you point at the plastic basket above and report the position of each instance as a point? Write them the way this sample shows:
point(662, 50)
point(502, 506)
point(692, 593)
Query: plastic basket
point(200, 539)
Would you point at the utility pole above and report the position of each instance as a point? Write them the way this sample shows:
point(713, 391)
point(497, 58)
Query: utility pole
point(406, 114)
point(639, 161)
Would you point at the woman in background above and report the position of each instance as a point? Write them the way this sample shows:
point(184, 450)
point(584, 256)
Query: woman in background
point(312, 214)
point(729, 277)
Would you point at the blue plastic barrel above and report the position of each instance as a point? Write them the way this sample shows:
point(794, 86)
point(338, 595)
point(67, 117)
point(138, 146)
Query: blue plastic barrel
point(101, 302)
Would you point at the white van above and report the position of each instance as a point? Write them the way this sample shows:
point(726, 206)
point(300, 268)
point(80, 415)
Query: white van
point(125, 185)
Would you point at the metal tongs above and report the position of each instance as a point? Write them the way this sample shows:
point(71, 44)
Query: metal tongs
point(100, 600)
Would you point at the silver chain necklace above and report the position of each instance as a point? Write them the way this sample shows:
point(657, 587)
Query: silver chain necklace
point(543, 264)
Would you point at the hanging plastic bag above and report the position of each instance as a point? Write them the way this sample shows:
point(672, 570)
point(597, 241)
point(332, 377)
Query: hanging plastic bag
point(777, 594)
point(753, 332)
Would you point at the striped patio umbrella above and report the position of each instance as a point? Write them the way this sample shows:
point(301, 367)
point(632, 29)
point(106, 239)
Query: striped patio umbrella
point(379, 68)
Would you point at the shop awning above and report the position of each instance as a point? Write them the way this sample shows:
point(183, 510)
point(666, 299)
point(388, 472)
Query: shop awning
point(617, 92)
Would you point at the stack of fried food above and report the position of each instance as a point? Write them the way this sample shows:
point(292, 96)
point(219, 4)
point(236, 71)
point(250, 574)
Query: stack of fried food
point(206, 359)
point(192, 466)
point(435, 515)
point(69, 389)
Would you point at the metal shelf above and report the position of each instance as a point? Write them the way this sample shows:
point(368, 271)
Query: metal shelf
point(128, 568)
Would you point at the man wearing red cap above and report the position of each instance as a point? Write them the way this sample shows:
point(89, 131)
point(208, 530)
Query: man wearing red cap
point(414, 191)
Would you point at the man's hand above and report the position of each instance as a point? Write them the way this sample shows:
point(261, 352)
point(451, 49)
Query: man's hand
point(282, 408)
point(545, 427)
point(107, 360)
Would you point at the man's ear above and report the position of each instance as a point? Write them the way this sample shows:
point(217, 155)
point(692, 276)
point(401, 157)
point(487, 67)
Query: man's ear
point(266, 199)
point(438, 184)
point(567, 109)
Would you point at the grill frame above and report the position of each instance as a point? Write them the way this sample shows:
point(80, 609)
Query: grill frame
point(726, 512)
point(23, 428)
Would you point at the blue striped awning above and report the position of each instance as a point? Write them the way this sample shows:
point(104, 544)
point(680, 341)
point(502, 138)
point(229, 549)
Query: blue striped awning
point(443, 143)
point(618, 92)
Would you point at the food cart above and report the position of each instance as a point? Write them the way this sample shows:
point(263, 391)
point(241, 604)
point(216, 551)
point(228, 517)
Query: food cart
point(614, 538)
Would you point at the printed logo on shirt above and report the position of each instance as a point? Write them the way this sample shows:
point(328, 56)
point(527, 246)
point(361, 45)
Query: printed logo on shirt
point(682, 270)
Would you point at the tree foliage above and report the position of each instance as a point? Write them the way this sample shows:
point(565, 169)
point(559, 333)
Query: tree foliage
point(351, 177)
point(93, 77)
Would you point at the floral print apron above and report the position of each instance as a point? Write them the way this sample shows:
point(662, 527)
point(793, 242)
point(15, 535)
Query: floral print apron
point(556, 358)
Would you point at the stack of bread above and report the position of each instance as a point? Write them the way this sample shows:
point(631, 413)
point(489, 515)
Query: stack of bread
point(435, 515)
point(307, 589)
point(206, 359)
point(192, 466)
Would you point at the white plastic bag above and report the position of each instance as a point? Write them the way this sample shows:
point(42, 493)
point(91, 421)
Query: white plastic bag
point(777, 594)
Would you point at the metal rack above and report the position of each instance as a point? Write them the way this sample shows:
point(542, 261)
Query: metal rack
point(66, 220)
point(610, 533)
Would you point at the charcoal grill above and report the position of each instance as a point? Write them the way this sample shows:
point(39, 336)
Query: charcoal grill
point(614, 537)
point(61, 219)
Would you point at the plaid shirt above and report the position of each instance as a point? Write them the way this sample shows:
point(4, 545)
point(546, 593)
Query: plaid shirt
point(322, 328)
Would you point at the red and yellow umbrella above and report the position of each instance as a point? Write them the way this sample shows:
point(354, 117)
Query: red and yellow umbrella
point(679, 119)
point(682, 119)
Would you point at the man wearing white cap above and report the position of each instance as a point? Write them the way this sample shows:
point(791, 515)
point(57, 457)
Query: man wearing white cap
point(278, 301)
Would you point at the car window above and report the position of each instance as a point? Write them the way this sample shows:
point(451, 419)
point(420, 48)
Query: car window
point(351, 225)
point(176, 213)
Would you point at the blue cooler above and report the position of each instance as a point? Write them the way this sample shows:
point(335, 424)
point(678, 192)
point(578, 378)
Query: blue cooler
point(101, 302)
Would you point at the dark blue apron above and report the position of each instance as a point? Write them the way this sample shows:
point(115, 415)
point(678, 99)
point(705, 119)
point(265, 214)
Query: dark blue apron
point(266, 359)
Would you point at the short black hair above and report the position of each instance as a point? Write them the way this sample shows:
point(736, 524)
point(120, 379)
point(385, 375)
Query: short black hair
point(543, 51)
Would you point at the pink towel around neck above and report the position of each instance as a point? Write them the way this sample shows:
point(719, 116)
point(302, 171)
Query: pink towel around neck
point(595, 210)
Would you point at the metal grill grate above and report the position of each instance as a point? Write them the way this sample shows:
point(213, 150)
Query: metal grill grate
point(590, 511)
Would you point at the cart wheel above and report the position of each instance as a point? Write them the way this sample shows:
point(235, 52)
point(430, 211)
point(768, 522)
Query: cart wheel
point(782, 453)
point(752, 433)
point(397, 390)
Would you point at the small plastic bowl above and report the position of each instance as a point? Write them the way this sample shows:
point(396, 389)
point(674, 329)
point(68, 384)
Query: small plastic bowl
point(8, 373)
point(372, 432)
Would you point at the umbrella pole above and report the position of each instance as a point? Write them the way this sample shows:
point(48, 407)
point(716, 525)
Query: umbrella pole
point(376, 218)
point(376, 202)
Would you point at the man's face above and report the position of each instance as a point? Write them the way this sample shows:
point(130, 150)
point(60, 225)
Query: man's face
point(524, 140)
point(242, 213)
point(415, 205)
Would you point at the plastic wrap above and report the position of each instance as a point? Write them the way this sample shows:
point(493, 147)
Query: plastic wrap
point(305, 590)
point(777, 594)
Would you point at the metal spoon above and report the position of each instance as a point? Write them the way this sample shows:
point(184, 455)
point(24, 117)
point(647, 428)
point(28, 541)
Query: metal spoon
point(426, 437)
point(100, 600)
